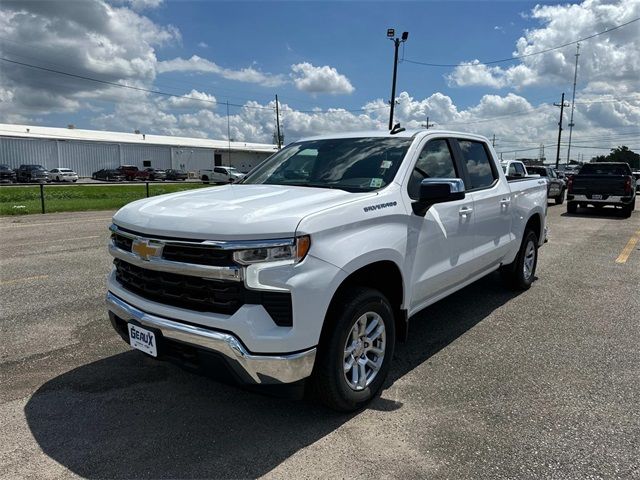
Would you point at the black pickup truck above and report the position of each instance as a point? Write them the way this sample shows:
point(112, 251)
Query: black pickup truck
point(602, 184)
point(32, 173)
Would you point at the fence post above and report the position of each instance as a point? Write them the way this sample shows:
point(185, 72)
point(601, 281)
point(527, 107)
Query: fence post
point(147, 184)
point(42, 196)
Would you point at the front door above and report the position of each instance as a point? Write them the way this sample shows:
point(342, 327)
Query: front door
point(440, 244)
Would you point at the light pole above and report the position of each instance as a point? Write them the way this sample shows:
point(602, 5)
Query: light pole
point(391, 33)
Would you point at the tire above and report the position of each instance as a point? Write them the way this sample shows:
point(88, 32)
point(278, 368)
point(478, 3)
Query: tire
point(205, 179)
point(560, 198)
point(520, 274)
point(627, 210)
point(572, 207)
point(329, 380)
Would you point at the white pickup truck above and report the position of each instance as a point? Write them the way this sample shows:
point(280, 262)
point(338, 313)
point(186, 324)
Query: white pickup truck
point(311, 267)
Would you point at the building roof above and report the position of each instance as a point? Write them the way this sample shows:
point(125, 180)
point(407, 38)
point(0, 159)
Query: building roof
point(55, 133)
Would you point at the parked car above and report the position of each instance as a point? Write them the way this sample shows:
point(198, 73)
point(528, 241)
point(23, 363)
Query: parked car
point(556, 188)
point(601, 184)
point(171, 174)
point(108, 174)
point(7, 175)
point(32, 173)
point(131, 172)
point(63, 175)
point(514, 169)
point(380, 226)
point(153, 174)
point(221, 175)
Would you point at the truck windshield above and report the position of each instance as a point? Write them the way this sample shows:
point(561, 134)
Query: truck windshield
point(605, 169)
point(351, 164)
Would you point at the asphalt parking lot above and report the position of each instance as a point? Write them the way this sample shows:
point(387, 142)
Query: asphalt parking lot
point(492, 384)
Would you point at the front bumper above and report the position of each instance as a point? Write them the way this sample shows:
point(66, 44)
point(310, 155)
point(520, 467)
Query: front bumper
point(250, 368)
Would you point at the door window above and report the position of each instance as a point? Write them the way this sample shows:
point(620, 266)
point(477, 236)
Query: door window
point(435, 161)
point(520, 172)
point(479, 168)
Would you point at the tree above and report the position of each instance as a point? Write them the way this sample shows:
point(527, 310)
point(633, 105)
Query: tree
point(620, 154)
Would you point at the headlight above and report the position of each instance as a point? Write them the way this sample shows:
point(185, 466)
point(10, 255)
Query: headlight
point(296, 251)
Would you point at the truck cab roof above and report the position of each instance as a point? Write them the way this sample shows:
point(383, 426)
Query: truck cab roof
point(409, 133)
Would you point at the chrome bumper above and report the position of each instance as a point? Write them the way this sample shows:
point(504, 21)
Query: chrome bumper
point(257, 369)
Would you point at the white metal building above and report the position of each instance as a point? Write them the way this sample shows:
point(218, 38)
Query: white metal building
point(87, 151)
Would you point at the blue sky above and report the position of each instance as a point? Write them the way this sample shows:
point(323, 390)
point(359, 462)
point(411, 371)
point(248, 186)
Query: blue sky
point(329, 56)
point(350, 36)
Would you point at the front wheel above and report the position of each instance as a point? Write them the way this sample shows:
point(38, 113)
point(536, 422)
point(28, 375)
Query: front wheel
point(572, 207)
point(356, 350)
point(520, 274)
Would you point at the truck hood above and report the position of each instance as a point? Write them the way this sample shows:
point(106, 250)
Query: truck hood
point(230, 212)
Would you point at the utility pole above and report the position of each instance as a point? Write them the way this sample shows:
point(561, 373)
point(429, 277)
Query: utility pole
point(493, 140)
point(561, 105)
point(573, 101)
point(228, 136)
point(279, 140)
point(396, 43)
point(428, 125)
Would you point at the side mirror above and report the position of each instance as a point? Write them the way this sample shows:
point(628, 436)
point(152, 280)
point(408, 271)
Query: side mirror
point(440, 190)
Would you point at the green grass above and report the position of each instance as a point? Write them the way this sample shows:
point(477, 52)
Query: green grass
point(75, 198)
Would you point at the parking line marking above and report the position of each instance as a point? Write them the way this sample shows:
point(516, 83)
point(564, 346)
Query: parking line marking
point(626, 251)
point(52, 241)
point(16, 280)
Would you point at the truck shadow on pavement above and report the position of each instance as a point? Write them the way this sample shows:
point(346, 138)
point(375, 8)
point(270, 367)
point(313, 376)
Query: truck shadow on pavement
point(604, 213)
point(128, 416)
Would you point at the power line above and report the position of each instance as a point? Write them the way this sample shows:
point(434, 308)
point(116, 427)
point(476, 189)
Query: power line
point(167, 94)
point(518, 57)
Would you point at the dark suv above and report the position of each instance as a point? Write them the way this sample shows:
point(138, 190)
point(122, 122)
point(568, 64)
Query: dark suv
point(556, 187)
point(32, 173)
point(7, 174)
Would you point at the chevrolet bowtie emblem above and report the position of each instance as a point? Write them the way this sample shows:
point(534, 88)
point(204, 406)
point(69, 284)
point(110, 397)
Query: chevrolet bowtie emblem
point(146, 250)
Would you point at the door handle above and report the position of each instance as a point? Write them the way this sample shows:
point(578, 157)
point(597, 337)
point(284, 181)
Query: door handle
point(505, 202)
point(464, 211)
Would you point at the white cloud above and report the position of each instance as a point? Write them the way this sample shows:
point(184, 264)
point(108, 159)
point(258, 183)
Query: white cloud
point(611, 58)
point(516, 122)
point(90, 38)
point(192, 100)
point(203, 45)
point(145, 4)
point(202, 65)
point(326, 79)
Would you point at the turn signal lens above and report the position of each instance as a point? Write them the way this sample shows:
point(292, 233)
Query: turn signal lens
point(302, 247)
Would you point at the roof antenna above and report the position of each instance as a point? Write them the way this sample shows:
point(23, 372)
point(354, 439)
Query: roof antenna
point(397, 129)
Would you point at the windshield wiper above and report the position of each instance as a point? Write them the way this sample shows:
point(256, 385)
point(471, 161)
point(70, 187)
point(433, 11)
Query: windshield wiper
point(323, 185)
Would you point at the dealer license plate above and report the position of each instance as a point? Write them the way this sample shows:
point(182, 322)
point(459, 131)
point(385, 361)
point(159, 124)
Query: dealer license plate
point(143, 339)
point(597, 197)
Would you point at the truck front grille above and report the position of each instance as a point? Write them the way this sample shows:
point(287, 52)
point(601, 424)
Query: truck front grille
point(200, 294)
point(201, 255)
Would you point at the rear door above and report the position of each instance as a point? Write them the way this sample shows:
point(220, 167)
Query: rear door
point(492, 200)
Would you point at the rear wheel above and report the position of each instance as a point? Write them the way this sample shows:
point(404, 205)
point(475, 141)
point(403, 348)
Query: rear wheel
point(520, 274)
point(205, 179)
point(560, 198)
point(572, 207)
point(627, 210)
point(355, 354)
